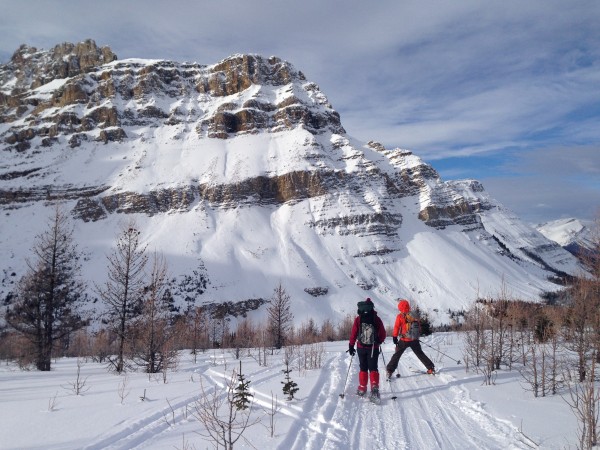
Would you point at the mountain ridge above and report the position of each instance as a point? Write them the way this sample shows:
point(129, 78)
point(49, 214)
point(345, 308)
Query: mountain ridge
point(574, 235)
point(242, 171)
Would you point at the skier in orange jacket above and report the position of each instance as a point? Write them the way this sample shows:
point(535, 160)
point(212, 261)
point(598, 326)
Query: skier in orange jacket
point(407, 329)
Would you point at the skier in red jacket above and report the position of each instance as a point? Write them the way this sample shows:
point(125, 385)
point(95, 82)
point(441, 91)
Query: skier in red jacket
point(368, 333)
point(408, 328)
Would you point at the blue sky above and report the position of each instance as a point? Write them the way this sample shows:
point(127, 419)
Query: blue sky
point(506, 92)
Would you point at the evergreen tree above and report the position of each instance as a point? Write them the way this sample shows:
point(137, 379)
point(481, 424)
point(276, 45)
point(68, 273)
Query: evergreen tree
point(290, 387)
point(49, 294)
point(242, 395)
point(425, 322)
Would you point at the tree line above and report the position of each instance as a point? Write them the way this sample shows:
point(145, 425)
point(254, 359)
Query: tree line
point(555, 345)
point(140, 329)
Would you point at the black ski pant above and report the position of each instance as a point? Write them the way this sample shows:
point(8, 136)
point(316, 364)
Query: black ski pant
point(415, 346)
point(367, 358)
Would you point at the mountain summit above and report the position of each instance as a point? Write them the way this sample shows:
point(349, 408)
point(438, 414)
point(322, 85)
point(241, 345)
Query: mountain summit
point(241, 173)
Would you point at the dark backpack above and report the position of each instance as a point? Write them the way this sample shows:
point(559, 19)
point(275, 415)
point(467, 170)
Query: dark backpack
point(412, 328)
point(364, 307)
point(367, 331)
point(366, 334)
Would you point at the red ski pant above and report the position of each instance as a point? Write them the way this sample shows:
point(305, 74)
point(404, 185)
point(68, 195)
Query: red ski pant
point(367, 359)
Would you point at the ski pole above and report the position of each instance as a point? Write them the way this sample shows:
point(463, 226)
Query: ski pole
point(394, 396)
point(383, 357)
point(346, 382)
point(457, 361)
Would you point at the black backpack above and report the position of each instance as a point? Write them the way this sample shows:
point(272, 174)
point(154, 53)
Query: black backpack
point(367, 331)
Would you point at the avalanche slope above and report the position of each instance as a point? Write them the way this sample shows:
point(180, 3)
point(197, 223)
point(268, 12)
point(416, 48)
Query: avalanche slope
point(429, 412)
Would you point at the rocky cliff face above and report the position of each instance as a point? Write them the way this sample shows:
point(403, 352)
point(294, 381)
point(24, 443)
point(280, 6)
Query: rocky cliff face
point(152, 138)
point(72, 92)
point(78, 93)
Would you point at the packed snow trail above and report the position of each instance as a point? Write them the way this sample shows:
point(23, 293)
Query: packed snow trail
point(430, 412)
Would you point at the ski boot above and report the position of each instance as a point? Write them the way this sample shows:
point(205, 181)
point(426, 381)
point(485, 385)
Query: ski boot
point(374, 397)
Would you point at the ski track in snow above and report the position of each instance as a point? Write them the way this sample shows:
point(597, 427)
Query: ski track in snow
point(429, 412)
point(136, 433)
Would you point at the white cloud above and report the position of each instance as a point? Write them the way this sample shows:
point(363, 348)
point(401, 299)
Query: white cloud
point(441, 78)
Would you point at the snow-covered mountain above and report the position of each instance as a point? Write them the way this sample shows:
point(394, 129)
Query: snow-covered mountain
point(241, 173)
point(572, 234)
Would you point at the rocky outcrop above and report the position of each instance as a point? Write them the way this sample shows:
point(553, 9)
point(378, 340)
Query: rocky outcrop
point(48, 193)
point(77, 74)
point(443, 216)
point(290, 187)
point(454, 203)
point(239, 72)
point(33, 68)
point(385, 224)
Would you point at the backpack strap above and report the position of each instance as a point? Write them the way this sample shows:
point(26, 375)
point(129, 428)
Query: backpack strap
point(404, 328)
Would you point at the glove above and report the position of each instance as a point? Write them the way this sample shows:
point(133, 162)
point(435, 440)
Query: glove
point(351, 350)
point(395, 339)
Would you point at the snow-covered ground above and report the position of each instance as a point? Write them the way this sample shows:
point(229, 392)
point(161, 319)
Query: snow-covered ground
point(452, 410)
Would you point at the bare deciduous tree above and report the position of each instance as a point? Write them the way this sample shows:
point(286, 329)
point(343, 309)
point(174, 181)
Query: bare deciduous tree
point(344, 328)
point(153, 332)
point(124, 291)
point(580, 333)
point(327, 331)
point(79, 385)
point(123, 388)
point(198, 331)
point(271, 412)
point(584, 400)
point(280, 316)
point(224, 424)
point(243, 337)
point(102, 346)
point(474, 335)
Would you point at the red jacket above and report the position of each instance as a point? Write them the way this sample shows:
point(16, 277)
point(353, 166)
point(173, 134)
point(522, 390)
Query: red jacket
point(381, 334)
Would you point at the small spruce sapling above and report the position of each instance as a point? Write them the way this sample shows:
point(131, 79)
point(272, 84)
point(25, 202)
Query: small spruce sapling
point(241, 398)
point(290, 387)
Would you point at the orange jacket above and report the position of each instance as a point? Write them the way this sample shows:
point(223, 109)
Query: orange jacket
point(400, 324)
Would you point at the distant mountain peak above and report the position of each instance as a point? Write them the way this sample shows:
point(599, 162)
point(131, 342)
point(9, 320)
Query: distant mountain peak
point(72, 92)
point(570, 233)
point(33, 68)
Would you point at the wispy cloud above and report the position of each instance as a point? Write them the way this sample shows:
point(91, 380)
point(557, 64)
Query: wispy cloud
point(556, 182)
point(468, 80)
